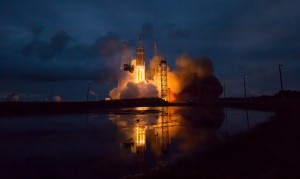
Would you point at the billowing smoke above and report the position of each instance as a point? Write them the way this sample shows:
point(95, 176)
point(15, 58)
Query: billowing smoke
point(193, 79)
point(128, 89)
point(186, 70)
point(139, 90)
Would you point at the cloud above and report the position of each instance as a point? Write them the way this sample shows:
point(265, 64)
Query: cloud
point(147, 31)
point(106, 46)
point(56, 46)
point(179, 33)
point(78, 52)
point(31, 47)
point(47, 50)
point(43, 73)
point(37, 30)
point(3, 36)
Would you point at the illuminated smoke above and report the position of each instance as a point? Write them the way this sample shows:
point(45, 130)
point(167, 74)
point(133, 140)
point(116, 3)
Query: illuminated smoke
point(139, 90)
point(186, 69)
point(123, 78)
point(128, 88)
point(193, 79)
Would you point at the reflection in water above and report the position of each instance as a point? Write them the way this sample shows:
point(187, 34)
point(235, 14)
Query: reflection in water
point(240, 120)
point(140, 142)
point(247, 117)
point(155, 126)
point(169, 131)
point(201, 128)
point(165, 130)
point(116, 143)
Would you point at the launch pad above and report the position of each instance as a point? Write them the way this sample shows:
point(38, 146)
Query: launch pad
point(137, 67)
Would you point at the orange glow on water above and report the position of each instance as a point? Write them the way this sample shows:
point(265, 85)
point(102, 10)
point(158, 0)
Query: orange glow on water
point(140, 136)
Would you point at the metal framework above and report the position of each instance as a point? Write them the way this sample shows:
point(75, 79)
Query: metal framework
point(164, 79)
point(157, 70)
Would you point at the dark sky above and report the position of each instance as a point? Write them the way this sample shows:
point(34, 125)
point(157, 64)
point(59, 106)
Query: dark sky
point(56, 47)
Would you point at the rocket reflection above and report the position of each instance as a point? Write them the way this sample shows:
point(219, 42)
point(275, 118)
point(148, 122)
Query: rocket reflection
point(165, 132)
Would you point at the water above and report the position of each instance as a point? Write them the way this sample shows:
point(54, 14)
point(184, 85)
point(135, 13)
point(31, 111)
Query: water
point(114, 143)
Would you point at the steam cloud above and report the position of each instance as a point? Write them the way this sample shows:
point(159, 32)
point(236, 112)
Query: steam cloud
point(186, 70)
point(128, 89)
point(194, 79)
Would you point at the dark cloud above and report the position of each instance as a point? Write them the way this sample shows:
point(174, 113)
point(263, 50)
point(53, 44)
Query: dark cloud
point(78, 52)
point(167, 26)
point(39, 71)
point(47, 50)
point(31, 47)
point(147, 31)
point(179, 33)
point(37, 30)
point(57, 45)
point(3, 36)
point(106, 46)
point(80, 73)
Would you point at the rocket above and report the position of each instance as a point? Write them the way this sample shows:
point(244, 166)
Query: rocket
point(139, 70)
point(140, 53)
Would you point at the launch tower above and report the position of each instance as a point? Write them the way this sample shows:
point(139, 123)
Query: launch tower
point(157, 71)
point(164, 77)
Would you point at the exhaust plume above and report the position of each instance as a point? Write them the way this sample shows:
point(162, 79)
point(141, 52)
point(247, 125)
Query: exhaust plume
point(193, 79)
point(128, 88)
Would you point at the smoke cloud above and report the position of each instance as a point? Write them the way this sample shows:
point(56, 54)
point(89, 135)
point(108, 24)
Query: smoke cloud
point(193, 78)
point(186, 69)
point(139, 90)
point(128, 89)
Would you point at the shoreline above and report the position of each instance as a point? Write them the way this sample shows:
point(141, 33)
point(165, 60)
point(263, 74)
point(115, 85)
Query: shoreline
point(11, 108)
